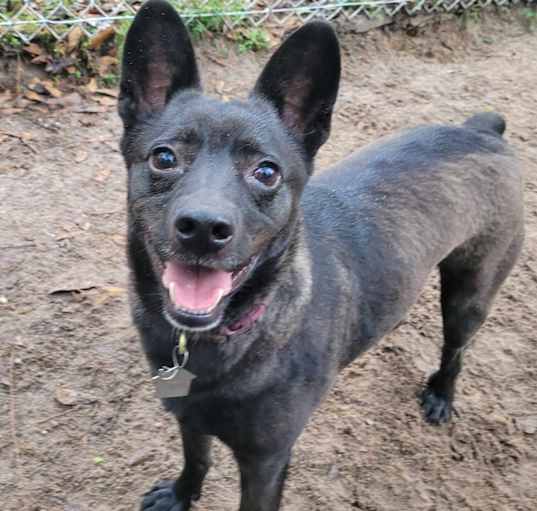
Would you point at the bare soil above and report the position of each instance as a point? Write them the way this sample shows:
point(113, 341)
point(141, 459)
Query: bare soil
point(79, 426)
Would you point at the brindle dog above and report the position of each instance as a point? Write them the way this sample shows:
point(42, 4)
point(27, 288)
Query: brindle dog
point(279, 279)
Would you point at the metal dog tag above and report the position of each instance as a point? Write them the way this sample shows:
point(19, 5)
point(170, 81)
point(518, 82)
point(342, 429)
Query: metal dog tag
point(173, 382)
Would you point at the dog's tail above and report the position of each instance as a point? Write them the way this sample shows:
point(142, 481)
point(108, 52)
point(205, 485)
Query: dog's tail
point(487, 122)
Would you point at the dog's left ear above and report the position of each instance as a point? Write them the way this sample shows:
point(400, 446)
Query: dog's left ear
point(158, 60)
point(301, 80)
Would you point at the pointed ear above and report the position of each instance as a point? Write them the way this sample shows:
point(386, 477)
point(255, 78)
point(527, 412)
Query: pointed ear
point(158, 61)
point(301, 81)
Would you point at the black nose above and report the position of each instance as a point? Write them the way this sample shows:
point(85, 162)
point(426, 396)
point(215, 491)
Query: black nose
point(203, 232)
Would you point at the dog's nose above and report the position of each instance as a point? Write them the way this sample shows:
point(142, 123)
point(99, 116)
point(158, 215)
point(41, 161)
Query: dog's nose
point(202, 232)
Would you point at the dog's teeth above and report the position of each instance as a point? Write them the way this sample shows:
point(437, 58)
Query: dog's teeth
point(171, 290)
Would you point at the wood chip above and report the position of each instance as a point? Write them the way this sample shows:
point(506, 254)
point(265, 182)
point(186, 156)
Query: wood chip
point(65, 396)
point(81, 156)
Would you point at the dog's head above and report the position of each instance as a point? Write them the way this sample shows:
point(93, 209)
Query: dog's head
point(214, 187)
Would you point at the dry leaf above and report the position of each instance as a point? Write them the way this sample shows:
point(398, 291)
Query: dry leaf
point(51, 89)
point(34, 96)
point(103, 175)
point(34, 49)
point(91, 87)
point(73, 38)
point(80, 156)
point(41, 59)
point(107, 294)
point(66, 396)
point(105, 63)
point(103, 35)
point(58, 65)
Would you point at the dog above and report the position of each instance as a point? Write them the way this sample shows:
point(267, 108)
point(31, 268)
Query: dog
point(253, 283)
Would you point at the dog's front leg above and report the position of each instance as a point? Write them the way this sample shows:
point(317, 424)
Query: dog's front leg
point(262, 478)
point(178, 495)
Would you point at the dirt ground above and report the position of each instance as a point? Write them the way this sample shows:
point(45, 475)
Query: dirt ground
point(77, 414)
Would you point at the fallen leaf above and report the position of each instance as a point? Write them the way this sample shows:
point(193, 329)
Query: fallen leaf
point(58, 65)
point(65, 396)
point(41, 59)
point(34, 96)
point(73, 38)
point(103, 175)
point(41, 109)
point(105, 63)
point(91, 86)
point(107, 294)
point(100, 37)
point(52, 90)
point(34, 49)
point(98, 460)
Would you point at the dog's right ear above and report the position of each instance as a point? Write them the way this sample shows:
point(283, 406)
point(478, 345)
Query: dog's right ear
point(158, 61)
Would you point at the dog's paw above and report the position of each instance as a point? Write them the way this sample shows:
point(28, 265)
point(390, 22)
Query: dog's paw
point(437, 409)
point(162, 498)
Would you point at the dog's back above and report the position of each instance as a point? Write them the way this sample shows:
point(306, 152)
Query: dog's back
point(422, 193)
point(442, 196)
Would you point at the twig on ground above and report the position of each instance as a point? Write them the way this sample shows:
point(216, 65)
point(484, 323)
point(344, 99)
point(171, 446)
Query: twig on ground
point(18, 245)
point(25, 143)
point(13, 410)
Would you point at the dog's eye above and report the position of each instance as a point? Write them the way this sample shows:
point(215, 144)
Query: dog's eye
point(163, 158)
point(267, 174)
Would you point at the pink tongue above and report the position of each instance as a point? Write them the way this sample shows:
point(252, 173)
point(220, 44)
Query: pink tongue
point(196, 288)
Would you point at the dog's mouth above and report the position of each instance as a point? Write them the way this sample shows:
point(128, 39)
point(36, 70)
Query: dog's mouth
point(197, 295)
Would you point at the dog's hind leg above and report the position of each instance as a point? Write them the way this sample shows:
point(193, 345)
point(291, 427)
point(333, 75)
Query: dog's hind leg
point(178, 495)
point(468, 286)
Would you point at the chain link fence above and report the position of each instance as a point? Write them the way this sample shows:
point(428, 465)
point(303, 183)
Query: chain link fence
point(26, 19)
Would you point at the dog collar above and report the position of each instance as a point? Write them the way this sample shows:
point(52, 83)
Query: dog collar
point(246, 322)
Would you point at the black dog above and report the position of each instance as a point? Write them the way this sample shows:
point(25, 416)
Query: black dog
point(263, 285)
